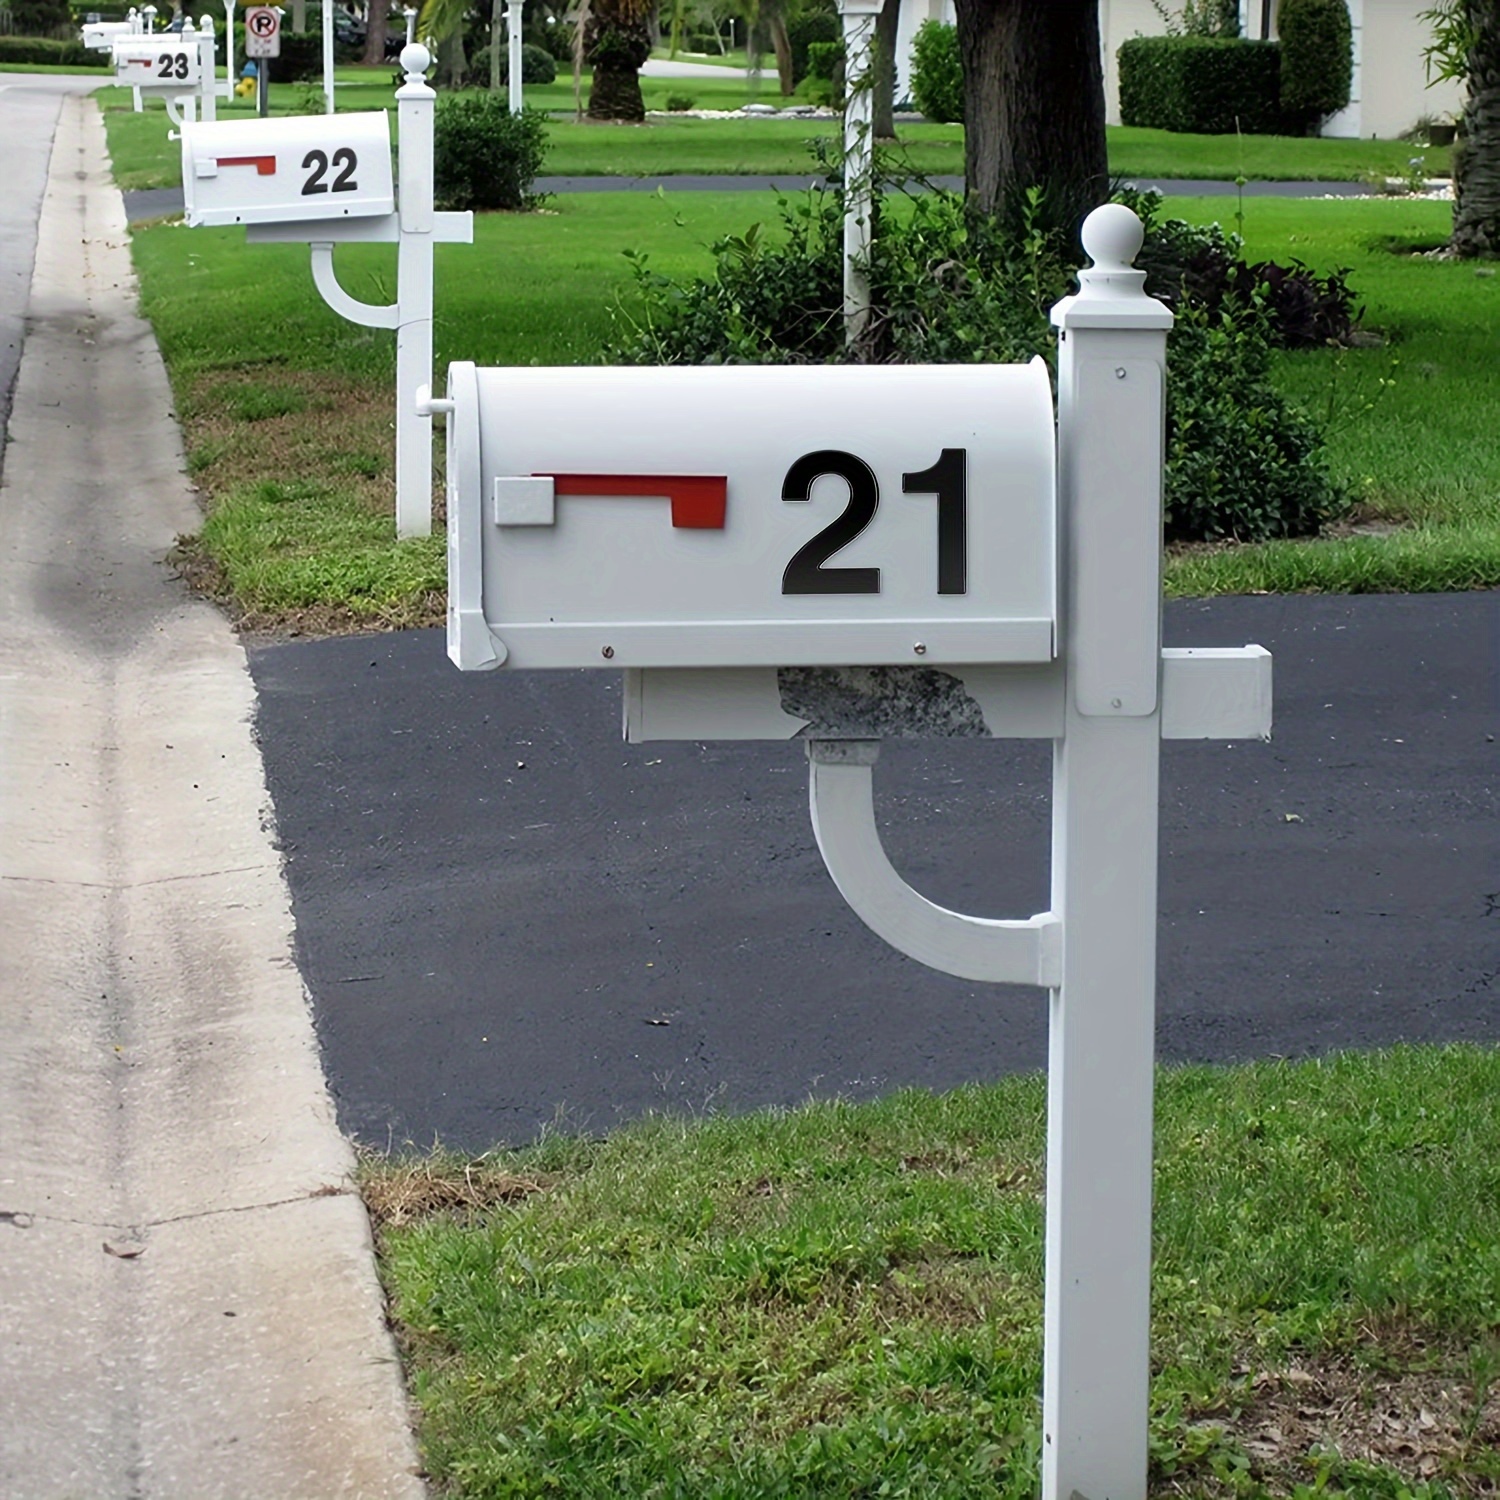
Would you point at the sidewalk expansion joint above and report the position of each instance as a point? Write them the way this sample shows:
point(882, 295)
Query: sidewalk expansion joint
point(328, 1191)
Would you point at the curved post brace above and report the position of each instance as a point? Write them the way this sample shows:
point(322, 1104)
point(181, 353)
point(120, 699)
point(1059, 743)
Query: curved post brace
point(175, 114)
point(840, 776)
point(327, 283)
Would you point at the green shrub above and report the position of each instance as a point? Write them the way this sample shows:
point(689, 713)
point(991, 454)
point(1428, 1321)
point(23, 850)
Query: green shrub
point(825, 60)
point(678, 104)
point(819, 23)
point(1242, 462)
point(555, 39)
point(937, 75)
point(485, 157)
point(537, 65)
point(1197, 265)
point(61, 54)
point(1207, 85)
point(301, 59)
point(1317, 60)
point(40, 18)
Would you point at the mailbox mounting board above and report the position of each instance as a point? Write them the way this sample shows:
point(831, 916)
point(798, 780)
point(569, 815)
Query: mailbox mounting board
point(165, 63)
point(282, 171)
point(752, 515)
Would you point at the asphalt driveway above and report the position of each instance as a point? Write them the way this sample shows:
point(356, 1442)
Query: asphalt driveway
point(506, 917)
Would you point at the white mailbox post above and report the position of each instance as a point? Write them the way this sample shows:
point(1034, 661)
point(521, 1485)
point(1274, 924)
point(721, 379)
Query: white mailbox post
point(324, 180)
point(886, 554)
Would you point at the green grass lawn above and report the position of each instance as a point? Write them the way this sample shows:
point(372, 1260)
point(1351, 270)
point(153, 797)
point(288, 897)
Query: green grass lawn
point(1410, 421)
point(667, 145)
point(845, 1299)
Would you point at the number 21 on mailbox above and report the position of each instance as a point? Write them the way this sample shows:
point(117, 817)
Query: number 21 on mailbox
point(751, 516)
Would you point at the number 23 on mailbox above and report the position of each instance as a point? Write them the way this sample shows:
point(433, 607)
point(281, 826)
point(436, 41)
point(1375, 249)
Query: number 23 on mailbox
point(751, 516)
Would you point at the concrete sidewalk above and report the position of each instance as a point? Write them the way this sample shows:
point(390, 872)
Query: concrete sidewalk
point(190, 1305)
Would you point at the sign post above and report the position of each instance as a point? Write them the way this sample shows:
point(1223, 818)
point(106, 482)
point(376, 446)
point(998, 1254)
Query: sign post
point(262, 43)
point(930, 577)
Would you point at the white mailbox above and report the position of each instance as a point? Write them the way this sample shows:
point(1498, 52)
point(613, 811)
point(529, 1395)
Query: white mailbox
point(751, 516)
point(161, 64)
point(99, 36)
point(287, 170)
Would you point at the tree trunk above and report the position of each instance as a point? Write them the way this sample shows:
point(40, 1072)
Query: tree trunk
point(452, 65)
point(497, 43)
point(375, 31)
point(1476, 156)
point(781, 45)
point(1033, 107)
point(883, 104)
point(615, 47)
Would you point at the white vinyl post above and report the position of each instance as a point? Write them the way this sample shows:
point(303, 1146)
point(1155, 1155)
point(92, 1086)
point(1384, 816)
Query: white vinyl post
point(148, 18)
point(513, 10)
point(229, 78)
point(208, 78)
point(327, 57)
point(415, 105)
point(858, 18)
point(1111, 375)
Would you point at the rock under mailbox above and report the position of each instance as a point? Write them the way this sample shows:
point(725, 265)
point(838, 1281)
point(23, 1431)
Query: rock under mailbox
point(164, 63)
point(751, 516)
point(284, 170)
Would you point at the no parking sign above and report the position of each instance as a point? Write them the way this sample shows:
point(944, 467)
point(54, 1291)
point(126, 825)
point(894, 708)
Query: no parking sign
point(262, 31)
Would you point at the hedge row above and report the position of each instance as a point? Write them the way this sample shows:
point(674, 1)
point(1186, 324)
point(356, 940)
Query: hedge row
point(1207, 85)
point(38, 49)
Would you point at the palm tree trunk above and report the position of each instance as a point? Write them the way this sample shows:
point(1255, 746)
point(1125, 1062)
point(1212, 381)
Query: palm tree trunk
point(1476, 158)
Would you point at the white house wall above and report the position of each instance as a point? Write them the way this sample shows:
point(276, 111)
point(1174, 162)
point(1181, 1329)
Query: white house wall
point(913, 13)
point(1394, 92)
point(1389, 93)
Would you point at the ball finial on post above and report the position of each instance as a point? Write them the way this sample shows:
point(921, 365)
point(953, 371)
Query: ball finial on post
point(415, 60)
point(1112, 237)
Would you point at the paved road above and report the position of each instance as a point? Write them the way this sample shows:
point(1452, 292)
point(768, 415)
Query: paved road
point(504, 913)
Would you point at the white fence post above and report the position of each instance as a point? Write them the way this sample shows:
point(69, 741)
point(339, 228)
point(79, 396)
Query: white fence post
point(1111, 376)
point(858, 18)
point(415, 104)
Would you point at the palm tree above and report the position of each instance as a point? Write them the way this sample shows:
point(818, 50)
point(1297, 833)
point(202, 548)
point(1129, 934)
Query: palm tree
point(1466, 45)
point(615, 39)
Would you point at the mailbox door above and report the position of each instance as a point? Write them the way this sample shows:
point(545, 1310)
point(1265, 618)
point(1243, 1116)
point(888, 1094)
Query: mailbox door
point(759, 516)
point(287, 170)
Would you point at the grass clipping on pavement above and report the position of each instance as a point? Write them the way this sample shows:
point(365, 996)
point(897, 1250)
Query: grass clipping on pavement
point(845, 1299)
